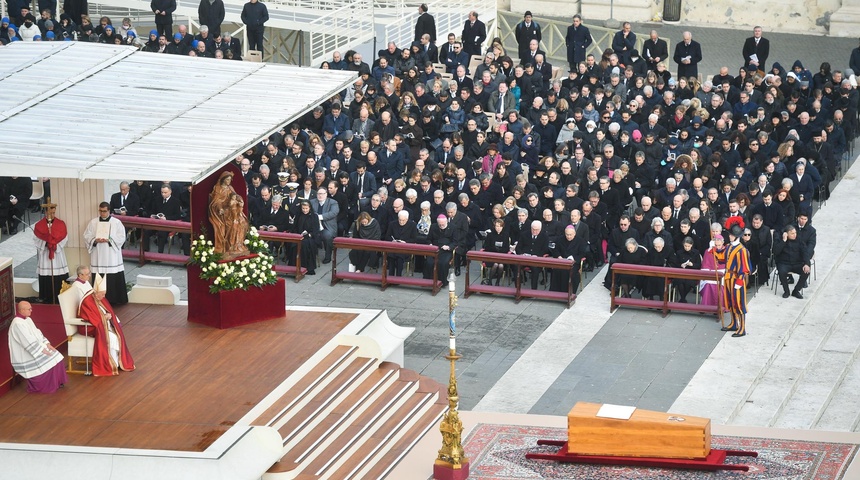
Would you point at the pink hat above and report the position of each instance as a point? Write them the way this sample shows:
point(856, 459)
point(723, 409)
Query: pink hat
point(637, 135)
point(718, 237)
point(441, 215)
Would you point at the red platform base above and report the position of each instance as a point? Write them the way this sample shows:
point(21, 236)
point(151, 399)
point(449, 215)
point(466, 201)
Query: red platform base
point(234, 307)
point(714, 461)
point(444, 471)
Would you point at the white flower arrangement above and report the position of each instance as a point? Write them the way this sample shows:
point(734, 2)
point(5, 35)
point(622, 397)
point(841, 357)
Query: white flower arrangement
point(245, 273)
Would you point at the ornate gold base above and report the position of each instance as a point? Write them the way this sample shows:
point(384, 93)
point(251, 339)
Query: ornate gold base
point(443, 470)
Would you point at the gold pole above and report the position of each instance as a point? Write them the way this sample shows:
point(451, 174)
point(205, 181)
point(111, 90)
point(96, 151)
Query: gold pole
point(451, 455)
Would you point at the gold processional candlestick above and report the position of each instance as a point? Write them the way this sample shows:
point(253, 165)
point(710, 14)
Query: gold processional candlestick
point(451, 455)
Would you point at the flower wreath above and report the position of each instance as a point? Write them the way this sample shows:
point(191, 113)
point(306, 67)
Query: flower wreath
point(254, 270)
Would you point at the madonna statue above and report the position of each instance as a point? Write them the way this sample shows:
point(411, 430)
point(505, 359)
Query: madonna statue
point(229, 223)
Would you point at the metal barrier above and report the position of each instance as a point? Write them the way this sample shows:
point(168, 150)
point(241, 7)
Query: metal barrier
point(553, 33)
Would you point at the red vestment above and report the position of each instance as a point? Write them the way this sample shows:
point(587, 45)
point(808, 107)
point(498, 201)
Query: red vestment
point(52, 234)
point(103, 363)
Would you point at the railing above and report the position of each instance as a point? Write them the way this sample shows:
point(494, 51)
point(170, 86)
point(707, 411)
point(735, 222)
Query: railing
point(553, 33)
point(184, 228)
point(450, 17)
point(664, 304)
point(521, 262)
point(350, 24)
point(385, 249)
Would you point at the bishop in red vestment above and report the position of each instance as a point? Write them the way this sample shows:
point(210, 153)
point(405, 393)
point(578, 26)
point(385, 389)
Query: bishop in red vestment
point(110, 354)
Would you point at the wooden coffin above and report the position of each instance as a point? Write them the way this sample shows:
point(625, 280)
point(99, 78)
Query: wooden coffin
point(646, 434)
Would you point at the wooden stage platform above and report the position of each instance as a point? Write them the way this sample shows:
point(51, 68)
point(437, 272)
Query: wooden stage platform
point(192, 382)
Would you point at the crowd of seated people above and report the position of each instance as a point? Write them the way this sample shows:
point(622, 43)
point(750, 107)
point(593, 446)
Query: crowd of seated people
point(612, 162)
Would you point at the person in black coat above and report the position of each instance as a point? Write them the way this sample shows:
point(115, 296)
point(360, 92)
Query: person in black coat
point(308, 226)
point(126, 201)
point(633, 254)
point(163, 10)
point(425, 24)
point(474, 34)
point(533, 242)
point(792, 256)
point(445, 239)
point(166, 208)
point(654, 50)
point(571, 247)
point(75, 9)
point(15, 199)
point(577, 40)
point(758, 46)
point(402, 230)
point(364, 227)
point(497, 241)
point(688, 54)
point(686, 257)
point(211, 14)
point(658, 256)
point(254, 16)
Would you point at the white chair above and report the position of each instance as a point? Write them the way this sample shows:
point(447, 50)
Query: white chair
point(38, 193)
point(79, 346)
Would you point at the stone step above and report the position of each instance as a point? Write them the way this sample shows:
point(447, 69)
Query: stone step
point(843, 411)
point(825, 374)
point(780, 379)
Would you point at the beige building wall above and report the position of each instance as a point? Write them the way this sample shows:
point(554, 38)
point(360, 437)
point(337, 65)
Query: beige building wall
point(834, 17)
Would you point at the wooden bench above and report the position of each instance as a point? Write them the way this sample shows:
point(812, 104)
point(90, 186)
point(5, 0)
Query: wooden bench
point(517, 290)
point(668, 274)
point(382, 277)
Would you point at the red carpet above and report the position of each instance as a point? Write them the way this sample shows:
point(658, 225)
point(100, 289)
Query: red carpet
point(498, 452)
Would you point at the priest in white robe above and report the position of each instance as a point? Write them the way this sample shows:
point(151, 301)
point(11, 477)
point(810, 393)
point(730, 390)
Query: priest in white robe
point(50, 235)
point(33, 357)
point(104, 238)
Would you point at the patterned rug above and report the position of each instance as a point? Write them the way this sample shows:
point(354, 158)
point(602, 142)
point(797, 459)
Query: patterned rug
point(498, 452)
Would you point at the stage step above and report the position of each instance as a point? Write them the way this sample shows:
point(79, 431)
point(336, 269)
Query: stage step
point(362, 411)
point(330, 365)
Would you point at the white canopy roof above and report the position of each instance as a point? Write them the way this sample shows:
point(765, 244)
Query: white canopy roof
point(83, 110)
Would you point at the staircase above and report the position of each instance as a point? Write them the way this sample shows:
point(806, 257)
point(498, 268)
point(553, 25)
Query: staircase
point(351, 417)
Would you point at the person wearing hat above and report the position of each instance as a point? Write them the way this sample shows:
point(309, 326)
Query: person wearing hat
point(525, 32)
point(177, 46)
point(50, 235)
point(163, 10)
point(737, 262)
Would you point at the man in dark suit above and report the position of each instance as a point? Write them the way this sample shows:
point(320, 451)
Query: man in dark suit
point(125, 200)
point(525, 32)
point(234, 45)
point(577, 40)
point(167, 209)
point(474, 34)
point(688, 54)
point(757, 46)
point(365, 184)
point(654, 50)
point(623, 42)
point(425, 24)
point(533, 242)
point(163, 10)
point(459, 221)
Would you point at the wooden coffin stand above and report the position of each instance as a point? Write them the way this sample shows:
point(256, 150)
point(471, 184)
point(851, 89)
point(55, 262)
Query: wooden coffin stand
point(647, 439)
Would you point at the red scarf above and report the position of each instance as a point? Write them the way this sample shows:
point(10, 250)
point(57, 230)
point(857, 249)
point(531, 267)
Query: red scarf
point(51, 234)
